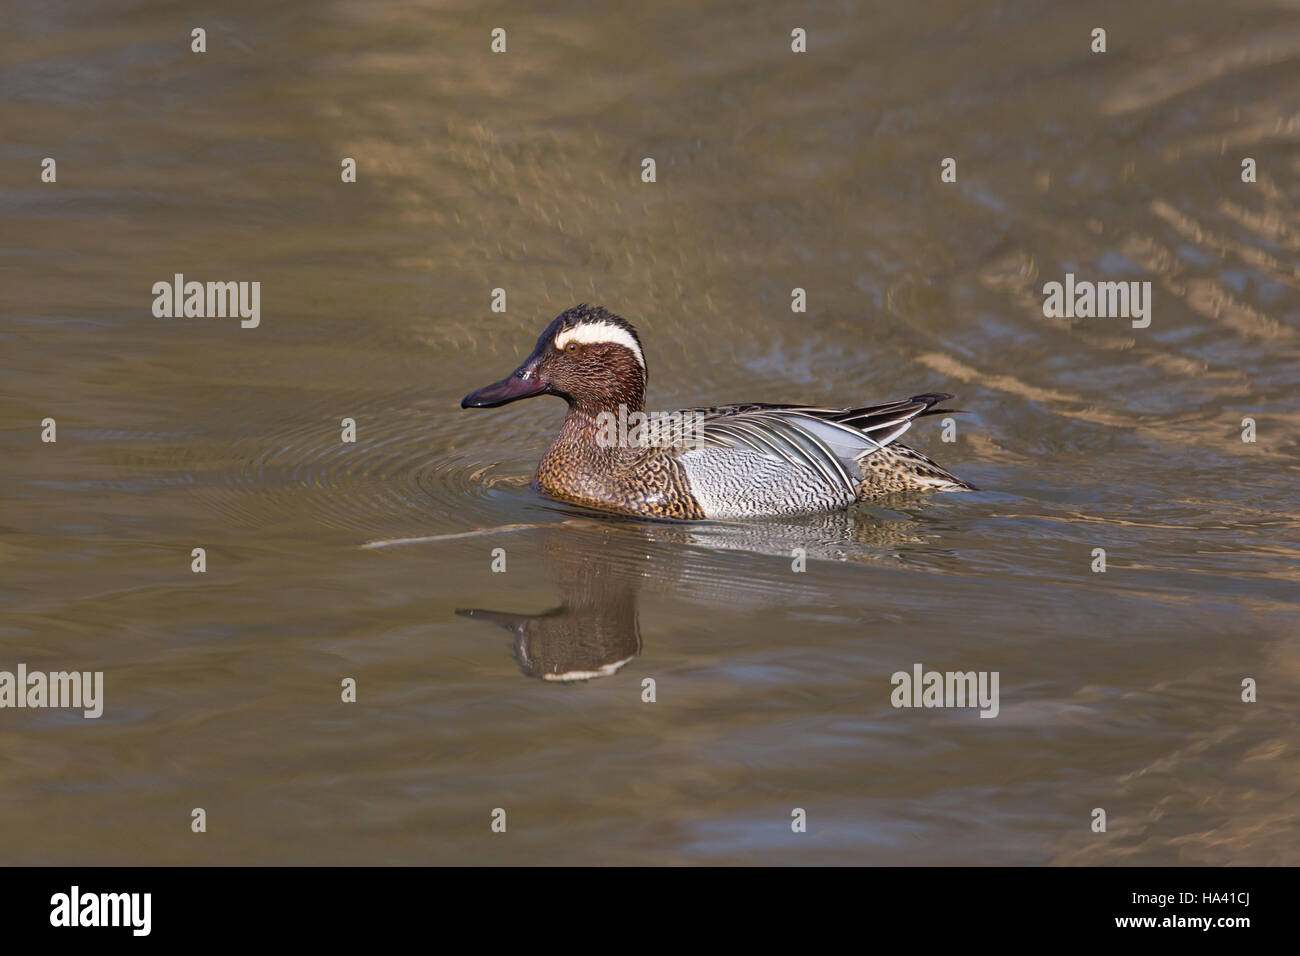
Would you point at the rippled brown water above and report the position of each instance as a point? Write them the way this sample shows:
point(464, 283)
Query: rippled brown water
point(1118, 690)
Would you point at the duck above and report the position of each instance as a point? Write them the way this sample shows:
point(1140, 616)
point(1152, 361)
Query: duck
point(721, 462)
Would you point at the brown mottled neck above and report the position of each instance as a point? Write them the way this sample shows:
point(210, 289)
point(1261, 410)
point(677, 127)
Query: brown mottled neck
point(584, 420)
point(598, 397)
point(625, 404)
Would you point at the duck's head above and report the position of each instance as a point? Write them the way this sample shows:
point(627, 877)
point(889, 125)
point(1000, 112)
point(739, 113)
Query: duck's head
point(588, 356)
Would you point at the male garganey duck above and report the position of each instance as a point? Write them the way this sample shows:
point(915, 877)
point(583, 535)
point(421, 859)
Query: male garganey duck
point(729, 461)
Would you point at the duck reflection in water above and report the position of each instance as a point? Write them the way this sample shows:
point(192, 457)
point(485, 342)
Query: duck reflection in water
point(600, 566)
point(593, 632)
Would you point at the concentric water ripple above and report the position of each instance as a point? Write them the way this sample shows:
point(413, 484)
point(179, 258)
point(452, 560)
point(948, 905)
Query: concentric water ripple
point(400, 476)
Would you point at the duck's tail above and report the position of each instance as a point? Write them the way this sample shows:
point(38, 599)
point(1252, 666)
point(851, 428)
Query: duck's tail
point(897, 467)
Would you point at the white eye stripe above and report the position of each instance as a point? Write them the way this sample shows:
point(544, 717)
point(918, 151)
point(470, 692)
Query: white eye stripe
point(591, 333)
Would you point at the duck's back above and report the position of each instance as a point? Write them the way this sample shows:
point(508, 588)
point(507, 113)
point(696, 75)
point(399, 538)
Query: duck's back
point(755, 460)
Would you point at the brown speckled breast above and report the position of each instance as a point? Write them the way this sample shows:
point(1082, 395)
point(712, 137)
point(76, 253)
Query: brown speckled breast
point(650, 484)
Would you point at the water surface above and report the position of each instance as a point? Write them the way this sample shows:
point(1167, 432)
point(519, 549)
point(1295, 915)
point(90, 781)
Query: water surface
point(522, 171)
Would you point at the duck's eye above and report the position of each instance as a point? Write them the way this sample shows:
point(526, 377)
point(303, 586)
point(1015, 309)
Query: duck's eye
point(571, 347)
